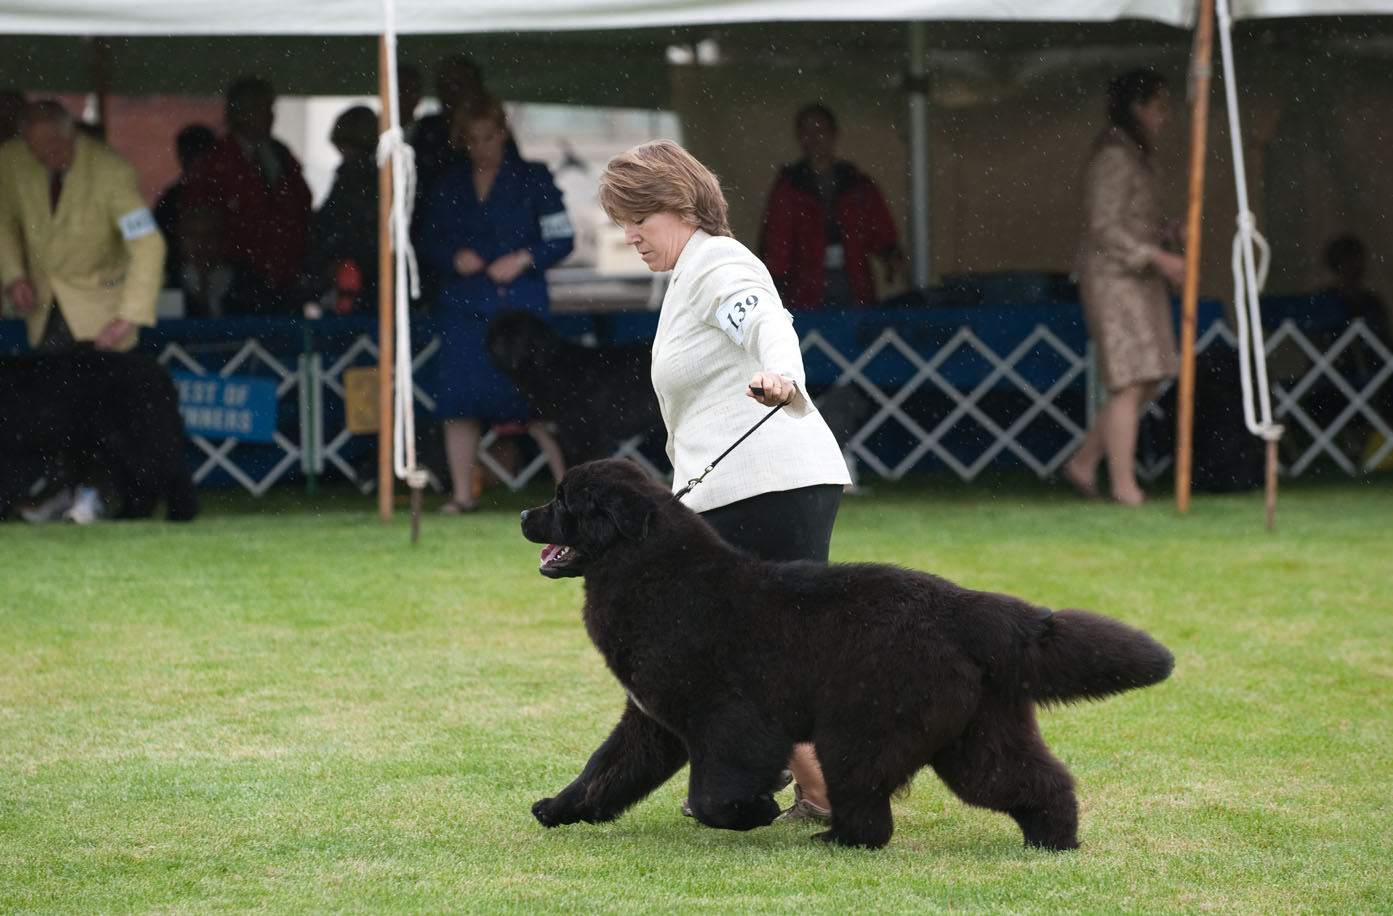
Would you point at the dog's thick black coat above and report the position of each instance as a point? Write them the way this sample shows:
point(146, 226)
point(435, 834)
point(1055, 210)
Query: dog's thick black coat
point(596, 397)
point(729, 660)
point(116, 411)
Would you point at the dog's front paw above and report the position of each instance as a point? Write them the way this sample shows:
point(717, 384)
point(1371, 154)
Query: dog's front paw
point(551, 812)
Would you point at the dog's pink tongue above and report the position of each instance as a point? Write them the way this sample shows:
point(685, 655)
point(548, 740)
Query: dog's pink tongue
point(548, 552)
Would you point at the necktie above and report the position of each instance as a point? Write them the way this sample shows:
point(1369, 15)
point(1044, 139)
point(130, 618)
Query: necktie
point(55, 189)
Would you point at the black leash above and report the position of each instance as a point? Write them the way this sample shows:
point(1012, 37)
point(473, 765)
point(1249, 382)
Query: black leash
point(696, 480)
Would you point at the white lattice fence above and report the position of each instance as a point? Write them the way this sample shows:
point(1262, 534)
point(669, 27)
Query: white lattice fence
point(1018, 435)
point(1348, 407)
point(1328, 408)
point(1330, 411)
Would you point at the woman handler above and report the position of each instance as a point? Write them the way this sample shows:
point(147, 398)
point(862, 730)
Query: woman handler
point(724, 354)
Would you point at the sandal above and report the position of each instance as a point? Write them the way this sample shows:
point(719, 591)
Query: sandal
point(455, 507)
point(804, 810)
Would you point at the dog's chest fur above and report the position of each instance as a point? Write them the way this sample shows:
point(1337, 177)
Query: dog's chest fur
point(640, 636)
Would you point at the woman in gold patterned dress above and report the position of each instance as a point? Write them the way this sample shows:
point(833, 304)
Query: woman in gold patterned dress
point(1124, 268)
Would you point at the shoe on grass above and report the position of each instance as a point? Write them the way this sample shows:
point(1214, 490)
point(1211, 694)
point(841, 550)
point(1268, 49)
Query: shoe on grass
point(86, 508)
point(804, 810)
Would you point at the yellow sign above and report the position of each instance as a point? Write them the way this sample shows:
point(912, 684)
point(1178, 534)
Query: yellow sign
point(360, 400)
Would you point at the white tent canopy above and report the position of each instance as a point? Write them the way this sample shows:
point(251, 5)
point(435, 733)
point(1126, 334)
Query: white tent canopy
point(365, 17)
point(580, 52)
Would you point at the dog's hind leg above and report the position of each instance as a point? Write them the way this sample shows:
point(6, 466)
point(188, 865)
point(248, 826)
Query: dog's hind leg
point(1002, 763)
point(637, 757)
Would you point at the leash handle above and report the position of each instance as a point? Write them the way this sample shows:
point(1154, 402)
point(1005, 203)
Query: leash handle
point(710, 467)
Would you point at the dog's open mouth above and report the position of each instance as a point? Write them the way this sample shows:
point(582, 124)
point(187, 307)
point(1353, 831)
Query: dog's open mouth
point(559, 561)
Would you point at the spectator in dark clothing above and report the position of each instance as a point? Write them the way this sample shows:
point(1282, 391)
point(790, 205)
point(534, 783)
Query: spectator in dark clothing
point(823, 222)
point(1347, 260)
point(257, 185)
point(214, 287)
point(409, 96)
point(191, 142)
point(341, 267)
point(458, 83)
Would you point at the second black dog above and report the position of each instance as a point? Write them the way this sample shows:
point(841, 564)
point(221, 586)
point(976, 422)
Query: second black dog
point(115, 411)
point(596, 397)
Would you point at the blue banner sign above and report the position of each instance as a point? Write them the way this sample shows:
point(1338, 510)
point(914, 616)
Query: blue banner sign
point(227, 407)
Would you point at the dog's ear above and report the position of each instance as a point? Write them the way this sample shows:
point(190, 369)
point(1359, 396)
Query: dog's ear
point(630, 514)
point(609, 515)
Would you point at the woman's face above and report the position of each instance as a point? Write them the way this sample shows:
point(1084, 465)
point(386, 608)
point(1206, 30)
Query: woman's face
point(658, 238)
point(1153, 115)
point(485, 141)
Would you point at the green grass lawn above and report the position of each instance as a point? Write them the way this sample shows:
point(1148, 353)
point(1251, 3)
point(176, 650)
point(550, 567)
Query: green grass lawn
point(285, 707)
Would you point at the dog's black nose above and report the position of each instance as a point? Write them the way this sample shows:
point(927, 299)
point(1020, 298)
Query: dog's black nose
point(523, 515)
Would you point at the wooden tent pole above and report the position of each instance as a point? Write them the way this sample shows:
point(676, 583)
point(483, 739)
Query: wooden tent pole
point(1200, 64)
point(385, 302)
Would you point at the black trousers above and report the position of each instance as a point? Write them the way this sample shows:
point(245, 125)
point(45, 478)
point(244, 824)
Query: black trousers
point(57, 337)
point(785, 525)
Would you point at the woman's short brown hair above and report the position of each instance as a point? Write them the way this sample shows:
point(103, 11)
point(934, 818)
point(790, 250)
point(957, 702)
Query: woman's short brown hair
point(660, 175)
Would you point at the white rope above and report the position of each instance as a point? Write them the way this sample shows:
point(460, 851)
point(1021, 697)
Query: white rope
point(392, 147)
point(1249, 275)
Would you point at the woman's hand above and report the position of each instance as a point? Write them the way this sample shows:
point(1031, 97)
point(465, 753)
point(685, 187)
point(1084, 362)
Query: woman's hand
point(775, 388)
point(21, 293)
point(509, 267)
point(1169, 265)
point(467, 262)
point(112, 334)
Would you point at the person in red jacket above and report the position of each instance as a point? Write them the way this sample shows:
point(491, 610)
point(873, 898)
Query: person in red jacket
point(256, 185)
point(824, 220)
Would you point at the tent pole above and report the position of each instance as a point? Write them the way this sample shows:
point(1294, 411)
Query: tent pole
point(385, 305)
point(917, 84)
point(1200, 60)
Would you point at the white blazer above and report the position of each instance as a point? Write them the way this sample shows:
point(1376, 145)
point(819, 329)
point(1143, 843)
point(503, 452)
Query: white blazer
point(721, 322)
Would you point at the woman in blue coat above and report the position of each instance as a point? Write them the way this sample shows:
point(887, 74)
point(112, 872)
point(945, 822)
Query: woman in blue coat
point(493, 225)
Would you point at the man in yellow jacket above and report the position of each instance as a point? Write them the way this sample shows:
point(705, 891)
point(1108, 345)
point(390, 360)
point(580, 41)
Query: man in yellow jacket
point(81, 257)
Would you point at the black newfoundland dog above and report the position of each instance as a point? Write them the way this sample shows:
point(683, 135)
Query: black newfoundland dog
point(596, 397)
point(116, 412)
point(729, 660)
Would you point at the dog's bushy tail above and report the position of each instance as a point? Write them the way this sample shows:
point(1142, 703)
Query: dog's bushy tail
point(1080, 655)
